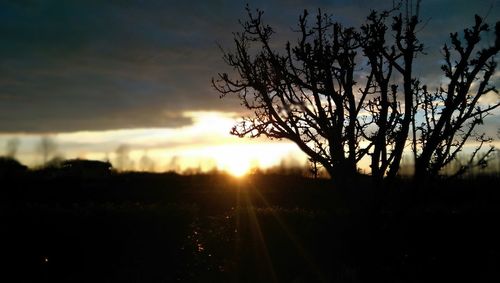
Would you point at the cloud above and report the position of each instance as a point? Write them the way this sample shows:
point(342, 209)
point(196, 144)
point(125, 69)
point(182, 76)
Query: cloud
point(99, 65)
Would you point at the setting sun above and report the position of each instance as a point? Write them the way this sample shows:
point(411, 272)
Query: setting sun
point(238, 168)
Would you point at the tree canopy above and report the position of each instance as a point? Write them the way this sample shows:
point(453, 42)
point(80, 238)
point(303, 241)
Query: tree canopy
point(343, 94)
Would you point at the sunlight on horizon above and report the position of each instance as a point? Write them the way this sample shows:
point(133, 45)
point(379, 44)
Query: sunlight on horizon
point(202, 146)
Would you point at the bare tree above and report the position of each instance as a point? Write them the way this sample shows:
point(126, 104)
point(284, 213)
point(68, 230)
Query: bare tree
point(306, 94)
point(318, 94)
point(388, 59)
point(453, 112)
point(47, 148)
point(174, 164)
point(310, 93)
point(123, 161)
point(11, 147)
point(146, 163)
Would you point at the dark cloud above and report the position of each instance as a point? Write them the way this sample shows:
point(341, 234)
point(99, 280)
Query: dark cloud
point(95, 65)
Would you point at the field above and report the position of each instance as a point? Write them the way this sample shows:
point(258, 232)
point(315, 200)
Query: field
point(141, 227)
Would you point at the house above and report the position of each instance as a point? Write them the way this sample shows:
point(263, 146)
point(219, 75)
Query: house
point(86, 169)
point(10, 168)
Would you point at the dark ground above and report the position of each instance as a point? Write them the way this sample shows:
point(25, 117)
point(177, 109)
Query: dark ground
point(213, 228)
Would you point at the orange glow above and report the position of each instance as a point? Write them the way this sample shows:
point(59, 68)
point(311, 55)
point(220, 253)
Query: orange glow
point(236, 167)
point(202, 146)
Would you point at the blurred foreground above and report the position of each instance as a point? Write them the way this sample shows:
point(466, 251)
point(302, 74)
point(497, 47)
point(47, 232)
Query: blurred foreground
point(142, 227)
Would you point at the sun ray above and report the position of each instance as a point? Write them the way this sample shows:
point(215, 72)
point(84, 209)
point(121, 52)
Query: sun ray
point(302, 251)
point(262, 250)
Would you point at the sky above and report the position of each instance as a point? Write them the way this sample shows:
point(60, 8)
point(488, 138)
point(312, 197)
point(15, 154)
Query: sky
point(97, 76)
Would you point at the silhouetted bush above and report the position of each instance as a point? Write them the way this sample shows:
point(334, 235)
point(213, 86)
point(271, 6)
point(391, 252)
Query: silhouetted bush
point(11, 168)
point(86, 169)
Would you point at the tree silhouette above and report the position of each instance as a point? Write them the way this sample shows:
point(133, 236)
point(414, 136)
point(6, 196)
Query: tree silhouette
point(12, 147)
point(306, 94)
point(454, 110)
point(146, 163)
point(388, 59)
point(123, 161)
point(343, 94)
point(47, 147)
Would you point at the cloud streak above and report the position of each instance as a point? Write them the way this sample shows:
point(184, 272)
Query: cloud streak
point(100, 65)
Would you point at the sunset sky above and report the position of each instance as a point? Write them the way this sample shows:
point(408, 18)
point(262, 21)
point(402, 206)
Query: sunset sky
point(99, 76)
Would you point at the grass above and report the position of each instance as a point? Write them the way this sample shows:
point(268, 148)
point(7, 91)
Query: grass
point(213, 228)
